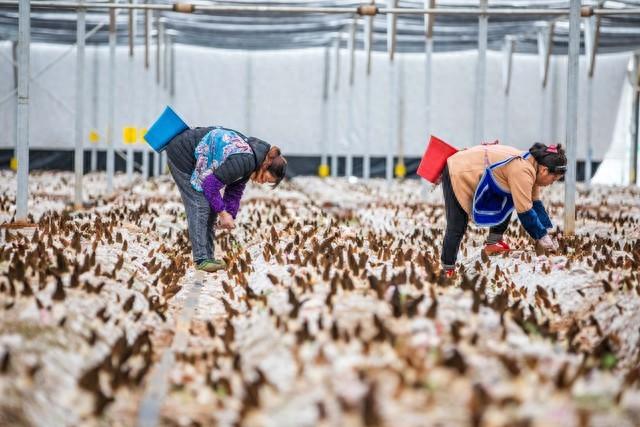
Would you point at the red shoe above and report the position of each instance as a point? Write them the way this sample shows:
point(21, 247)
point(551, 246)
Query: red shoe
point(496, 248)
point(449, 273)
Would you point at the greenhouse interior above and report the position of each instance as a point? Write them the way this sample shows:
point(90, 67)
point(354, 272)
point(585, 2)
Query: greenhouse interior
point(320, 213)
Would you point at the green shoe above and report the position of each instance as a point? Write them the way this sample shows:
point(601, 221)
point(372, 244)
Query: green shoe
point(211, 265)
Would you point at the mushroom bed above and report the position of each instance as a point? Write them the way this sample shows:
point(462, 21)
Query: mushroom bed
point(332, 311)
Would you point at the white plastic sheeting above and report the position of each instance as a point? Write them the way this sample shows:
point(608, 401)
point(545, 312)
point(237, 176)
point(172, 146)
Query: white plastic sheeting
point(286, 100)
point(616, 164)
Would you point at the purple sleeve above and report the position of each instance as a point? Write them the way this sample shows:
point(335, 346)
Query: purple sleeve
point(232, 196)
point(211, 187)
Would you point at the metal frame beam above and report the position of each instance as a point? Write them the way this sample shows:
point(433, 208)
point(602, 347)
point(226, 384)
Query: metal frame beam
point(79, 114)
point(364, 10)
point(22, 130)
point(572, 118)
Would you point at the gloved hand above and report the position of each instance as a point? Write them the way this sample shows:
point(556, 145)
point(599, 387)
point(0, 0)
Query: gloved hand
point(547, 243)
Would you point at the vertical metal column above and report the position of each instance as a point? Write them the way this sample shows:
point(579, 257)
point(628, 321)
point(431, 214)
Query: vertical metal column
point(507, 66)
point(14, 56)
point(162, 167)
point(111, 100)
point(400, 168)
point(368, 42)
point(145, 162)
point(322, 171)
point(22, 130)
point(391, 47)
point(336, 105)
point(572, 118)
point(94, 107)
point(481, 73)
point(129, 164)
point(79, 136)
point(351, 136)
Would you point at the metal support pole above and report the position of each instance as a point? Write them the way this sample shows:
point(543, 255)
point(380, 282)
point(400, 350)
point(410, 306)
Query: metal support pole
point(222, 8)
point(79, 136)
point(156, 165)
point(248, 103)
point(351, 139)
point(368, 39)
point(392, 26)
point(145, 163)
point(400, 169)
point(572, 118)
point(507, 67)
point(325, 113)
point(481, 72)
point(129, 163)
point(94, 107)
point(366, 160)
point(111, 100)
point(336, 106)
point(22, 130)
point(391, 48)
point(14, 137)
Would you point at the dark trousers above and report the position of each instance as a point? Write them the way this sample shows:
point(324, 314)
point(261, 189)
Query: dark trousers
point(457, 220)
point(200, 218)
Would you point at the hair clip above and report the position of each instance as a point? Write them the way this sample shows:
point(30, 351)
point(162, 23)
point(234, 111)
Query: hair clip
point(552, 149)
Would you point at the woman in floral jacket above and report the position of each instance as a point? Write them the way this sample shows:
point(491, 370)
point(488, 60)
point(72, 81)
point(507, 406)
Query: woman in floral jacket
point(202, 162)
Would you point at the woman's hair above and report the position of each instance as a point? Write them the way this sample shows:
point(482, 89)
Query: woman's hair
point(275, 164)
point(552, 156)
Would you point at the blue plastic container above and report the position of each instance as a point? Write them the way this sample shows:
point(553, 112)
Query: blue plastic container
point(168, 125)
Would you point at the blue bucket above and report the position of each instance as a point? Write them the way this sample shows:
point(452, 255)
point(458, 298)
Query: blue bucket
point(168, 125)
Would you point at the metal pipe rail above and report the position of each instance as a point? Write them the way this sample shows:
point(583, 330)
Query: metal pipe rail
point(361, 10)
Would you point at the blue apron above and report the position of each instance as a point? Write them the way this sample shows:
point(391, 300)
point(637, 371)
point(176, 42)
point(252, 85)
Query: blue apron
point(492, 204)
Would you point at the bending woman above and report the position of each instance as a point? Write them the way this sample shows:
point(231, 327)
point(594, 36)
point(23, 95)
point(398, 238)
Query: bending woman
point(202, 162)
point(487, 182)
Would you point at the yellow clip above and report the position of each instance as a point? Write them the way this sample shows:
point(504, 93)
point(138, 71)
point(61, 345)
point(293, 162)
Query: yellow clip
point(141, 133)
point(400, 170)
point(129, 135)
point(13, 164)
point(94, 137)
point(323, 171)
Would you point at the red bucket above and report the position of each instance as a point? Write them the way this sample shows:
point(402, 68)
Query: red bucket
point(435, 159)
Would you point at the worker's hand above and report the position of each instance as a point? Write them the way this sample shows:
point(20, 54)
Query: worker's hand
point(547, 243)
point(225, 220)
